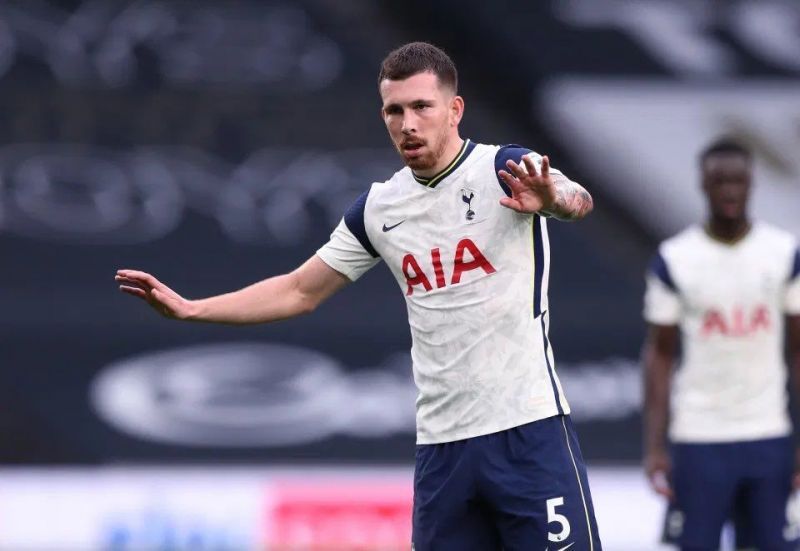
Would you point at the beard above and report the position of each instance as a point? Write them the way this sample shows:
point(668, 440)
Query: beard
point(429, 157)
point(422, 162)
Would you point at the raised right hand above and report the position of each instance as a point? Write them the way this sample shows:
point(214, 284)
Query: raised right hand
point(161, 298)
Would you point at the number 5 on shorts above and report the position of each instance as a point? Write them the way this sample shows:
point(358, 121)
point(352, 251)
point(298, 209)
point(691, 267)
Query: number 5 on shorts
point(552, 517)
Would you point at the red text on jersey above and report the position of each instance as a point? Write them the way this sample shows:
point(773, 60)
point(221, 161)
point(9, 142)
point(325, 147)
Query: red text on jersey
point(740, 322)
point(415, 275)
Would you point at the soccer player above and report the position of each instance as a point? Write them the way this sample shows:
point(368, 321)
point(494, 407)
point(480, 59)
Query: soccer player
point(463, 229)
point(725, 292)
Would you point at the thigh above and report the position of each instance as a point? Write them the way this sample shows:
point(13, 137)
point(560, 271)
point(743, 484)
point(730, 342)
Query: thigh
point(535, 481)
point(448, 515)
point(768, 488)
point(705, 478)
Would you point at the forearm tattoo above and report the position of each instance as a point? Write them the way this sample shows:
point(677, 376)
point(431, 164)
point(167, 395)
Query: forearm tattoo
point(572, 202)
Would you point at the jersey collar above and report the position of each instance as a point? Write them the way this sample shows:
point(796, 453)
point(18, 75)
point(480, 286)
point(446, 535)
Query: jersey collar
point(433, 181)
point(729, 242)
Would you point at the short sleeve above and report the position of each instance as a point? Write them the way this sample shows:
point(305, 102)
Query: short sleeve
point(662, 303)
point(791, 300)
point(349, 250)
point(345, 253)
point(515, 153)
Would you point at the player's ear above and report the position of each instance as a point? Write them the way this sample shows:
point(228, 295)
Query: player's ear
point(456, 110)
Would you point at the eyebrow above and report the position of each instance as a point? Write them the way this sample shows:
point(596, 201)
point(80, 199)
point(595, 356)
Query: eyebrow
point(412, 103)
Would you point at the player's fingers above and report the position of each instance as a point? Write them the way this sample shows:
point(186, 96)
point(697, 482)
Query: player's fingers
point(665, 491)
point(132, 283)
point(530, 166)
point(660, 483)
point(140, 276)
point(545, 167)
point(512, 204)
point(135, 291)
point(516, 169)
point(126, 272)
point(130, 275)
point(122, 279)
point(512, 182)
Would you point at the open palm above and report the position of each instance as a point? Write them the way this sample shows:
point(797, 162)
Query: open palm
point(531, 191)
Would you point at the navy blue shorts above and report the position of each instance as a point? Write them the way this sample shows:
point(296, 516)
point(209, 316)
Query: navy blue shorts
point(519, 489)
point(748, 483)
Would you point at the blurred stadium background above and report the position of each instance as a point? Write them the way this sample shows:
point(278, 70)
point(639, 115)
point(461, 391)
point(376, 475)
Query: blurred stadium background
point(215, 143)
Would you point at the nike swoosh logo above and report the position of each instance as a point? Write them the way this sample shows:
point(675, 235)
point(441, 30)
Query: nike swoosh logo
point(388, 228)
point(561, 548)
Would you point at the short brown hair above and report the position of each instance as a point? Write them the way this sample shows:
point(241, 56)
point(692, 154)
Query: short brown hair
point(419, 57)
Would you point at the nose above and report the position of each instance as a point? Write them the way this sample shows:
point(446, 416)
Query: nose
point(409, 125)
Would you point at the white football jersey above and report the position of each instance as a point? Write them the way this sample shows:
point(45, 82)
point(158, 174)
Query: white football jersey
point(474, 275)
point(729, 301)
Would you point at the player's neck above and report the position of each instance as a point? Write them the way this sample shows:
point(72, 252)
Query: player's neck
point(727, 230)
point(448, 155)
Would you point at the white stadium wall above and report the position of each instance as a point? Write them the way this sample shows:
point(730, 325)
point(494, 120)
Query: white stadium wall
point(240, 509)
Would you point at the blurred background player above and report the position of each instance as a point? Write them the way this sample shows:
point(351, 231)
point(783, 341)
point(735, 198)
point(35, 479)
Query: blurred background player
point(723, 293)
point(463, 229)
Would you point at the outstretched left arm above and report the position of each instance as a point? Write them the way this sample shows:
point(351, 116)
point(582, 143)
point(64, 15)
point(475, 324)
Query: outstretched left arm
point(551, 194)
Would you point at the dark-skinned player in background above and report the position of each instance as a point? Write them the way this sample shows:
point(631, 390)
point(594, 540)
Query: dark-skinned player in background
point(718, 439)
